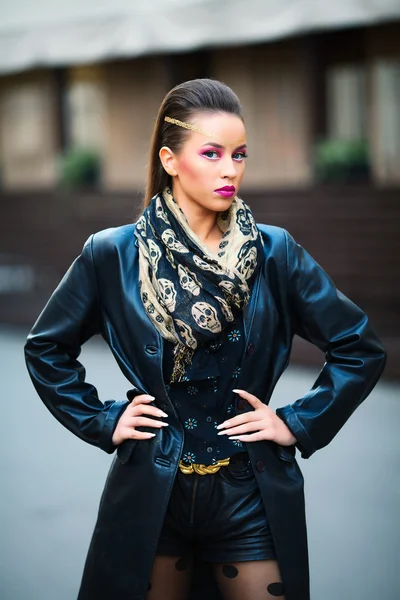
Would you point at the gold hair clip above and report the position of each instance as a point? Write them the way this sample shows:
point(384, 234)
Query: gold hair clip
point(197, 130)
point(188, 126)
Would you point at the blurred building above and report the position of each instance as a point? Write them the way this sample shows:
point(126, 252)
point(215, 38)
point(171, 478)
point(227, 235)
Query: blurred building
point(308, 74)
point(304, 71)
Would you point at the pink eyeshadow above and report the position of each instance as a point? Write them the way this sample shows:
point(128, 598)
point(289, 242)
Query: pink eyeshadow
point(211, 149)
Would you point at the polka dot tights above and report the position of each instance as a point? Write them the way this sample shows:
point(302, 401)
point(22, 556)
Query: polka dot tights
point(252, 580)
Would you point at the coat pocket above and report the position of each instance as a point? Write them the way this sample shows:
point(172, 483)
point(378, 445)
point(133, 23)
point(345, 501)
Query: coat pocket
point(124, 451)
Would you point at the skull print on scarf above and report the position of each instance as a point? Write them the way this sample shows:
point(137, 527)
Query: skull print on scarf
point(189, 293)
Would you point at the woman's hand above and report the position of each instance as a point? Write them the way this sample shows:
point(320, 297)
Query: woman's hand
point(133, 417)
point(259, 424)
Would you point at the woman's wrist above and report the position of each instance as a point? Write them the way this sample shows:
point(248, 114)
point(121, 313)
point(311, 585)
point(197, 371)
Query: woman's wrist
point(284, 436)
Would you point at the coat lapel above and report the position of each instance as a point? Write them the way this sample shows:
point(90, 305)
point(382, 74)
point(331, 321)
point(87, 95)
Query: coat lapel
point(249, 309)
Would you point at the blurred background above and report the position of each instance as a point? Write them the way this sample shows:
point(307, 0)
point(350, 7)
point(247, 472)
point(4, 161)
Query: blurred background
point(80, 86)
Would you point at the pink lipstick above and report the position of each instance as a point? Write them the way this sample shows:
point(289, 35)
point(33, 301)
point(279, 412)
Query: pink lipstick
point(226, 192)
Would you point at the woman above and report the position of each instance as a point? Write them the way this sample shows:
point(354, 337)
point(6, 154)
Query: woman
point(199, 306)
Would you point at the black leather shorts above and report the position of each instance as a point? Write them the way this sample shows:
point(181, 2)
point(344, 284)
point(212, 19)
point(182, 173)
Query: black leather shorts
point(217, 518)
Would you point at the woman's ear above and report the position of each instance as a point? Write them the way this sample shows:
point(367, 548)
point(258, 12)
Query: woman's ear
point(167, 158)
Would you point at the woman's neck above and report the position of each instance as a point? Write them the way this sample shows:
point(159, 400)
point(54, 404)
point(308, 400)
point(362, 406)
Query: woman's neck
point(203, 223)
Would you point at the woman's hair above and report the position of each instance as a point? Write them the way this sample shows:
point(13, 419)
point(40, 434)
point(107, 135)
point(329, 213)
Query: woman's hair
point(182, 103)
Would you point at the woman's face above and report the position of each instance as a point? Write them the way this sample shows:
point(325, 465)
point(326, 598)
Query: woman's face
point(208, 170)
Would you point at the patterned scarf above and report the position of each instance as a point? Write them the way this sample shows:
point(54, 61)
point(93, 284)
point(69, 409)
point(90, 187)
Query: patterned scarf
point(189, 293)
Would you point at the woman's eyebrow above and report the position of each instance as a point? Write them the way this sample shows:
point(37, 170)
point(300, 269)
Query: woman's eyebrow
point(215, 145)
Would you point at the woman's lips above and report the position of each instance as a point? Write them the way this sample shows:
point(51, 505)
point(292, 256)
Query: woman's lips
point(226, 192)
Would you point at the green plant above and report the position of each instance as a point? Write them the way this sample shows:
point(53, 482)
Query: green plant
point(342, 160)
point(79, 167)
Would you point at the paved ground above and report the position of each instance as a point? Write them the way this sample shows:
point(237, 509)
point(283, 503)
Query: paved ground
point(53, 483)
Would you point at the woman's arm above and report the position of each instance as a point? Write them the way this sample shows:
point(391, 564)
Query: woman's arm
point(69, 319)
point(355, 358)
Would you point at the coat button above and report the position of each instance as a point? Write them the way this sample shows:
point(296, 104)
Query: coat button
point(260, 466)
point(250, 349)
point(209, 419)
point(151, 349)
point(242, 404)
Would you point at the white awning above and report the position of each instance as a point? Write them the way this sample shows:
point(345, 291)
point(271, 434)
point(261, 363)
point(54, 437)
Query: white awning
point(46, 33)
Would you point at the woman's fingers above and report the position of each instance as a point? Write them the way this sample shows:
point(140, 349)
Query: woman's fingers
point(133, 418)
point(141, 399)
point(127, 428)
point(145, 409)
point(134, 434)
point(251, 426)
point(253, 400)
point(254, 425)
point(239, 420)
point(252, 437)
point(141, 405)
point(125, 432)
point(145, 422)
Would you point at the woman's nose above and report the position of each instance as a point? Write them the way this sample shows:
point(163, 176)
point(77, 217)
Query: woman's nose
point(229, 169)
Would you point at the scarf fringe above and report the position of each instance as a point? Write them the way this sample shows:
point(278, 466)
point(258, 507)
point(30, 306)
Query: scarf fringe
point(182, 358)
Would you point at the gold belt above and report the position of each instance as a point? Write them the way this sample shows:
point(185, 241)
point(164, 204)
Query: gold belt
point(203, 469)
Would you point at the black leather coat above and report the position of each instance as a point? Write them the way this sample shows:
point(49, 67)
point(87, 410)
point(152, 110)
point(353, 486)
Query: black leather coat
point(292, 294)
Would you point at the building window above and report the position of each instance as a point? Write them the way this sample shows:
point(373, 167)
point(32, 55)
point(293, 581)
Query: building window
point(386, 85)
point(23, 120)
point(85, 110)
point(26, 134)
point(346, 102)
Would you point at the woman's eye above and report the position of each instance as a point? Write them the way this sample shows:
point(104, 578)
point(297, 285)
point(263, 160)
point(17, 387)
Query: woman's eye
point(239, 155)
point(211, 154)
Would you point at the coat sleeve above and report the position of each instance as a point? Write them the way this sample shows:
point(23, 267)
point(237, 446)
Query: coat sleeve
point(355, 358)
point(70, 318)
